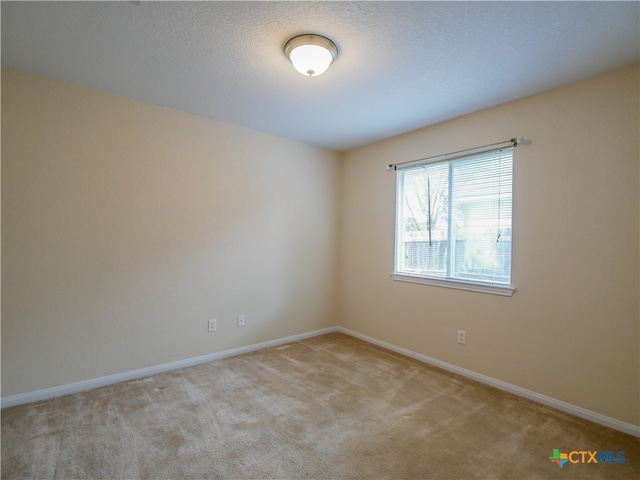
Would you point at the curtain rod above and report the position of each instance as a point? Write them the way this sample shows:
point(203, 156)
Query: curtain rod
point(514, 142)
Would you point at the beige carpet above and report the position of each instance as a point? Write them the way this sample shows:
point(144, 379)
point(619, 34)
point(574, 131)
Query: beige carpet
point(327, 407)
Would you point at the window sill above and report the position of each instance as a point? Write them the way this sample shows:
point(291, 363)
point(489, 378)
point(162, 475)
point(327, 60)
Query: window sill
point(441, 282)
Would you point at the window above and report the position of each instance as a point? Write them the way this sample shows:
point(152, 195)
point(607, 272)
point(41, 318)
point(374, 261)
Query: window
point(453, 221)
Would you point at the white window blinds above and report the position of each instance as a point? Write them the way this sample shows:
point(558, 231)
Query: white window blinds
point(454, 218)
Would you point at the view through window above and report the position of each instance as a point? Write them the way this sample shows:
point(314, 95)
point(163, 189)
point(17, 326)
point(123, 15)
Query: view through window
point(454, 218)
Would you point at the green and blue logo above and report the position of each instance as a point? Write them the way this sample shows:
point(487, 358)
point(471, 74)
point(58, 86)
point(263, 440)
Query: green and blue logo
point(586, 456)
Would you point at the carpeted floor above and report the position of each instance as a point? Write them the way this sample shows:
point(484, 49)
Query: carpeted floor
point(327, 407)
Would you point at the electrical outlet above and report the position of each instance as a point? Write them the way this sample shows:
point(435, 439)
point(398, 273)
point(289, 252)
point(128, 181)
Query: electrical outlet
point(241, 320)
point(213, 325)
point(462, 337)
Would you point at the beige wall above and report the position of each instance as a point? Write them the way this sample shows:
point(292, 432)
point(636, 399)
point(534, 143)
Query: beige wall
point(571, 329)
point(126, 226)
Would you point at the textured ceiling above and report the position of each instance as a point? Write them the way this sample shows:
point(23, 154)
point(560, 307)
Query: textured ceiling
point(401, 66)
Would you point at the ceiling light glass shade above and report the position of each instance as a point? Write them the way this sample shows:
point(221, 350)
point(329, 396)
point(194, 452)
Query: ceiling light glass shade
point(311, 55)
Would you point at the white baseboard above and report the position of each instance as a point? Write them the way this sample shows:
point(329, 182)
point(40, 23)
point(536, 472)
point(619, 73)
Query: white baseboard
point(594, 417)
point(145, 372)
point(47, 393)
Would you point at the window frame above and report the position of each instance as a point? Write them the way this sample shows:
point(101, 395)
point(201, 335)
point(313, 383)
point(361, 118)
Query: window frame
point(448, 282)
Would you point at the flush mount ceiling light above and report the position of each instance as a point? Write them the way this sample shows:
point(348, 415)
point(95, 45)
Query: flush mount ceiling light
point(310, 54)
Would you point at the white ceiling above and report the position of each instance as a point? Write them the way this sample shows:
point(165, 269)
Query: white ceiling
point(401, 66)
